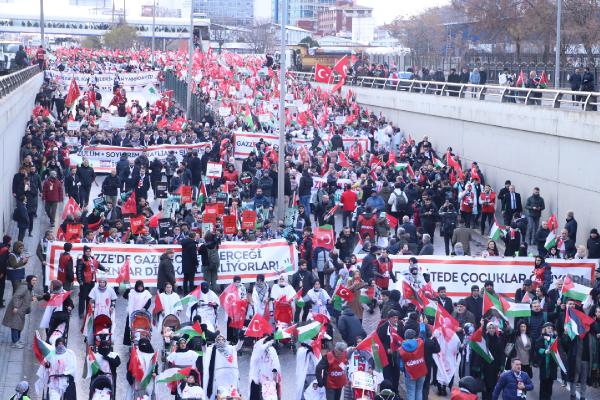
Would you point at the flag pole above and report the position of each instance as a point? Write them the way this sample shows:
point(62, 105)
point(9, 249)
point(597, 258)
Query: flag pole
point(280, 161)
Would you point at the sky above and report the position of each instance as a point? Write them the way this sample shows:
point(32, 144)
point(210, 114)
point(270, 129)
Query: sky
point(384, 11)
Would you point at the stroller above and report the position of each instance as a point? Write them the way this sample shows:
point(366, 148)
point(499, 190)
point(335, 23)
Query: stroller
point(170, 325)
point(140, 323)
point(59, 326)
point(102, 330)
point(101, 388)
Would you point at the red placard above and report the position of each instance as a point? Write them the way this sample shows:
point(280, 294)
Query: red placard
point(186, 194)
point(209, 218)
point(248, 219)
point(137, 224)
point(229, 225)
point(215, 208)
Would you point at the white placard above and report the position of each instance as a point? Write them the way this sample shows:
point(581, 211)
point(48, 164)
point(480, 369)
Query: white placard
point(264, 117)
point(117, 122)
point(224, 111)
point(339, 120)
point(214, 170)
point(73, 125)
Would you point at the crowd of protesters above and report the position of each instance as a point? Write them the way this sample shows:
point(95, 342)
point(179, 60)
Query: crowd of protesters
point(399, 196)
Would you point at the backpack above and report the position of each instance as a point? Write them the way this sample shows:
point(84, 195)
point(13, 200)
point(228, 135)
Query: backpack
point(400, 201)
point(213, 258)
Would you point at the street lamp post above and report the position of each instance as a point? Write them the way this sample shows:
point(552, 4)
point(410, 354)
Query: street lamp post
point(153, 26)
point(280, 164)
point(557, 56)
point(42, 39)
point(190, 63)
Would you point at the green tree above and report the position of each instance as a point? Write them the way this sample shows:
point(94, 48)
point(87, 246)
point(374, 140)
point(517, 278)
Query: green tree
point(121, 36)
point(91, 42)
point(310, 42)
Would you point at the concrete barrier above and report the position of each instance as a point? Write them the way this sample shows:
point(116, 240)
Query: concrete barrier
point(554, 149)
point(15, 111)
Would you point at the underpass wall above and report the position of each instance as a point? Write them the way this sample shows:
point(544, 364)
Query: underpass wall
point(15, 111)
point(556, 150)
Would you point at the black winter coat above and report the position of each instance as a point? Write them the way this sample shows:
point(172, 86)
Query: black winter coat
point(350, 327)
point(189, 256)
point(166, 272)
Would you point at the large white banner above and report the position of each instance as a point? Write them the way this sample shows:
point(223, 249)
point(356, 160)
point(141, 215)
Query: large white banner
point(245, 142)
point(105, 81)
point(104, 158)
point(458, 274)
point(246, 259)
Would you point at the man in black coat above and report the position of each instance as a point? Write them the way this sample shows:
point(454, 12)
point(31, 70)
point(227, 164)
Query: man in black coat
point(370, 267)
point(189, 261)
point(345, 243)
point(143, 184)
point(87, 176)
point(571, 226)
point(21, 216)
point(303, 278)
point(475, 304)
point(350, 327)
point(593, 244)
point(166, 271)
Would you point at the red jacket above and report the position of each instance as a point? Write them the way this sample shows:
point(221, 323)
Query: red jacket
point(348, 200)
point(336, 376)
point(487, 198)
point(52, 190)
point(458, 395)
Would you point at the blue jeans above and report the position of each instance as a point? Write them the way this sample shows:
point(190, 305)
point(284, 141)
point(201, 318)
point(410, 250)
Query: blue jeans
point(414, 388)
point(15, 335)
point(305, 201)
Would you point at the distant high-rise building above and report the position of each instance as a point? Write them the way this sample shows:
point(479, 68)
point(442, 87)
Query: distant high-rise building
point(228, 12)
point(346, 19)
point(92, 3)
point(301, 13)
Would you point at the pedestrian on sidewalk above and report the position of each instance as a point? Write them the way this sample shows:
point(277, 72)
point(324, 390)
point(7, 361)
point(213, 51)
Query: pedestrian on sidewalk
point(18, 308)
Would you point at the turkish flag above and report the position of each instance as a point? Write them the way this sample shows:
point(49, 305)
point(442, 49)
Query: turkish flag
point(445, 322)
point(137, 224)
point(234, 307)
point(474, 173)
point(73, 93)
point(344, 293)
point(258, 327)
point(153, 222)
point(130, 205)
point(71, 208)
point(124, 273)
point(341, 66)
point(322, 73)
point(392, 221)
point(324, 237)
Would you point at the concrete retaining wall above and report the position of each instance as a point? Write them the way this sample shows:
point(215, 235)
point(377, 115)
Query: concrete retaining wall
point(557, 150)
point(15, 111)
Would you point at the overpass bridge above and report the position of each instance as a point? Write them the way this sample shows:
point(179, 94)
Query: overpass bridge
point(534, 137)
point(165, 28)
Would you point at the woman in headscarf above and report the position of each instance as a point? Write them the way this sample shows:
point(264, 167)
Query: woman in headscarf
point(283, 295)
point(54, 315)
point(190, 388)
point(306, 364)
point(206, 307)
point(314, 392)
point(265, 370)
point(220, 366)
point(102, 298)
point(57, 372)
point(260, 295)
point(145, 354)
point(170, 303)
point(137, 299)
point(108, 361)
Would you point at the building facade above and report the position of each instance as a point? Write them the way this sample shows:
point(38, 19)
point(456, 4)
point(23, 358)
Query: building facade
point(345, 19)
point(229, 12)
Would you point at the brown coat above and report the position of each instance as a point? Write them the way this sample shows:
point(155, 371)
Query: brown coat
point(355, 304)
point(21, 300)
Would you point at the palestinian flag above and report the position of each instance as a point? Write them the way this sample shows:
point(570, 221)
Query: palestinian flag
point(527, 298)
point(41, 349)
point(88, 324)
point(190, 299)
point(248, 119)
point(496, 230)
point(150, 370)
point(308, 331)
point(491, 301)
point(479, 345)
point(173, 375)
point(574, 290)
point(514, 309)
point(285, 333)
point(556, 355)
point(92, 364)
point(373, 344)
point(124, 277)
point(550, 240)
point(431, 307)
point(299, 299)
point(142, 365)
point(202, 195)
point(367, 295)
point(577, 323)
point(158, 308)
point(438, 163)
point(191, 331)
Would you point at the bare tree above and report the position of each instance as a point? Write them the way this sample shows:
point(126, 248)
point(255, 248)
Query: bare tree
point(262, 36)
point(581, 23)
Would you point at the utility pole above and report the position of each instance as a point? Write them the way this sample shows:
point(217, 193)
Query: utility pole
point(281, 206)
point(43, 38)
point(557, 56)
point(153, 26)
point(188, 109)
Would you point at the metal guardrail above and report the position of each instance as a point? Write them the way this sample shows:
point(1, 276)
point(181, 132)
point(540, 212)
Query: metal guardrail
point(10, 82)
point(179, 89)
point(587, 101)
